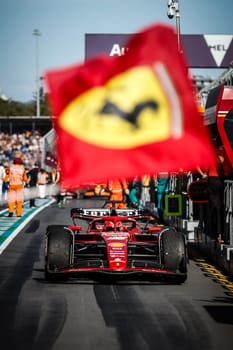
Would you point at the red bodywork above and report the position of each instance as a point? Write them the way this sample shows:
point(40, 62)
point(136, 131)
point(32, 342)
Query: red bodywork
point(125, 230)
point(120, 244)
point(219, 114)
point(225, 119)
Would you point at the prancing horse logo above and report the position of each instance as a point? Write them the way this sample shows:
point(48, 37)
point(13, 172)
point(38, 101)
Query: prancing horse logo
point(131, 117)
point(131, 109)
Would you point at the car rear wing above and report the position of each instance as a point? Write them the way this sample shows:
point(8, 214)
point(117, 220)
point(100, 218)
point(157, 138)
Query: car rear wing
point(91, 213)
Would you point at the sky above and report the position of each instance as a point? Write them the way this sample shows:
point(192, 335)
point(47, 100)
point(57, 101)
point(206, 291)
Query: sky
point(63, 24)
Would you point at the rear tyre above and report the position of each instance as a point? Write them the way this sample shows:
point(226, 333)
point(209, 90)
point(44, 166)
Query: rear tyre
point(59, 252)
point(173, 255)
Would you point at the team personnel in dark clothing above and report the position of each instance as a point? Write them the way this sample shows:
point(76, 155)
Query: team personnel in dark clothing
point(216, 205)
point(33, 176)
point(163, 187)
point(215, 186)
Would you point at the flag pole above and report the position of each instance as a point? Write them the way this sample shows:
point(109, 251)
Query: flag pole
point(37, 33)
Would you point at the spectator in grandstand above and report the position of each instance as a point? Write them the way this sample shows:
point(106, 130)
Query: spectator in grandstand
point(42, 180)
point(29, 144)
point(17, 177)
point(33, 176)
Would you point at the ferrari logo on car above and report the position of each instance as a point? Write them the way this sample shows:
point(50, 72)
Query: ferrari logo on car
point(130, 110)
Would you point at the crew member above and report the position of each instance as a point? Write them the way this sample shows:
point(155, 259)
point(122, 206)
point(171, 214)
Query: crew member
point(163, 187)
point(2, 175)
point(32, 175)
point(61, 194)
point(145, 189)
point(5, 186)
point(118, 188)
point(215, 188)
point(17, 177)
point(55, 176)
point(135, 193)
point(42, 180)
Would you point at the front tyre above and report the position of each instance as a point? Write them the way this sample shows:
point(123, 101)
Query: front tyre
point(173, 255)
point(58, 252)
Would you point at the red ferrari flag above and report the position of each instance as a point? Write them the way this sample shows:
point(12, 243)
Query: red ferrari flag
point(130, 115)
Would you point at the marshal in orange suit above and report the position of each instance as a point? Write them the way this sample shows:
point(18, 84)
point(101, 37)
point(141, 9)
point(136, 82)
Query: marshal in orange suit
point(17, 178)
point(117, 188)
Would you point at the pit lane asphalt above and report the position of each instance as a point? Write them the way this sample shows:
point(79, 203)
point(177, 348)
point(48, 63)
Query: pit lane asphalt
point(86, 314)
point(11, 226)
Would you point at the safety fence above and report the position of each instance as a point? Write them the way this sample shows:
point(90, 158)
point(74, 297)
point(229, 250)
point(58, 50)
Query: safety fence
point(199, 224)
point(228, 206)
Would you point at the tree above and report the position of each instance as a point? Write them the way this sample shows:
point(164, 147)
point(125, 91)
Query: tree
point(16, 108)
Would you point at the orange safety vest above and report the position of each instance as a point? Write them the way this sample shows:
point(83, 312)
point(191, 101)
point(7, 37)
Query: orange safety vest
point(116, 186)
point(17, 175)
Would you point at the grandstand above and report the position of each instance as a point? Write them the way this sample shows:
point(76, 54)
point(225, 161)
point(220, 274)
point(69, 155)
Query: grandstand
point(26, 135)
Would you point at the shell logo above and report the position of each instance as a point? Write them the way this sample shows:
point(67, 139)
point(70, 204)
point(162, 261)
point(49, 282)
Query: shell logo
point(116, 244)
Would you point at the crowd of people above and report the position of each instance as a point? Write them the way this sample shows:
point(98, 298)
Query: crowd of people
point(137, 192)
point(18, 183)
point(28, 144)
point(20, 168)
point(147, 190)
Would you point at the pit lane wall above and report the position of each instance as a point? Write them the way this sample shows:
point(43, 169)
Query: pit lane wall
point(217, 100)
point(220, 250)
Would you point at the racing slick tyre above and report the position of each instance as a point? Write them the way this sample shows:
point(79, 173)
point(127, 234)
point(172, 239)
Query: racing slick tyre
point(58, 252)
point(174, 255)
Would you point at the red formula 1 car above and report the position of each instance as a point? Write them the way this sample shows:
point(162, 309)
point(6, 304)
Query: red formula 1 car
point(116, 242)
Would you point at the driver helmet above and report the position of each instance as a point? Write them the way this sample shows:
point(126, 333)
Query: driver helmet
point(118, 225)
point(109, 226)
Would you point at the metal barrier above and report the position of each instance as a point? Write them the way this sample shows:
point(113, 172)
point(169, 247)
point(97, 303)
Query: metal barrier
point(228, 197)
point(196, 222)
